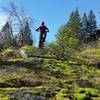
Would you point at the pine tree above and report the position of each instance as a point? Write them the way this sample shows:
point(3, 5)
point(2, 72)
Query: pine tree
point(25, 35)
point(88, 26)
point(85, 26)
point(91, 23)
point(6, 35)
point(69, 36)
point(75, 25)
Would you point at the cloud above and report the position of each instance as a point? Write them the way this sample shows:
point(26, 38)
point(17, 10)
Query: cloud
point(3, 19)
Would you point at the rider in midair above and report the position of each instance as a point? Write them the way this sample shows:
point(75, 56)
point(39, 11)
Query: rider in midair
point(43, 33)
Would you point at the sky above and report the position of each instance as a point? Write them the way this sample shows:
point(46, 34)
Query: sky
point(53, 12)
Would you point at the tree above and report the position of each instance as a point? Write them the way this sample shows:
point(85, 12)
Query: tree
point(89, 26)
point(91, 23)
point(85, 26)
point(75, 25)
point(25, 35)
point(20, 25)
point(69, 36)
point(6, 35)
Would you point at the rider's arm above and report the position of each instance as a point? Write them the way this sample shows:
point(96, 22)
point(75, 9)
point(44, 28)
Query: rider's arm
point(47, 29)
point(38, 29)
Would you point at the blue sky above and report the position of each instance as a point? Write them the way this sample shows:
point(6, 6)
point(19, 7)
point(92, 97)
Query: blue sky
point(53, 12)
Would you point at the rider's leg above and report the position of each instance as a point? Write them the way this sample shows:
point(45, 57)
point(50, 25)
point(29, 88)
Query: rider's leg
point(45, 34)
point(40, 40)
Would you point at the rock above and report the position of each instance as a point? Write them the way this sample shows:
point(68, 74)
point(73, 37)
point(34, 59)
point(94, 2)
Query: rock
point(31, 82)
point(25, 96)
point(20, 82)
point(84, 83)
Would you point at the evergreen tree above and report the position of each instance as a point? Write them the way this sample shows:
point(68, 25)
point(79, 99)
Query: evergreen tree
point(88, 25)
point(25, 35)
point(6, 36)
point(85, 26)
point(91, 23)
point(75, 27)
point(69, 36)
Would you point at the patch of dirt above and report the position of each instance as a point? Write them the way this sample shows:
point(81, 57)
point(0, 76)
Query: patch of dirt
point(84, 83)
point(22, 82)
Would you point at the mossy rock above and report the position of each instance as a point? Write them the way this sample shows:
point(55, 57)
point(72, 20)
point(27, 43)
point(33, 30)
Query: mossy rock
point(20, 82)
point(84, 83)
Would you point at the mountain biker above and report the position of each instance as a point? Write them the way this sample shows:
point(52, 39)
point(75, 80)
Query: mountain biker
point(43, 33)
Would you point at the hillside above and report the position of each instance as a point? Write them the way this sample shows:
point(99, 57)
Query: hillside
point(38, 78)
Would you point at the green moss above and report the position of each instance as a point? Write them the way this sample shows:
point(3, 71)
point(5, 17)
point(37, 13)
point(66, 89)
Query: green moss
point(5, 93)
point(7, 51)
point(61, 96)
point(90, 56)
point(93, 52)
point(28, 49)
point(59, 78)
point(92, 91)
point(79, 96)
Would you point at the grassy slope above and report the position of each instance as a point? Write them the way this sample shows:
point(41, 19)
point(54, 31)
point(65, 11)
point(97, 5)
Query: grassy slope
point(49, 78)
point(91, 56)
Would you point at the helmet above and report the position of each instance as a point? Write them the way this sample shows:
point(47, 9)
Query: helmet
point(42, 23)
